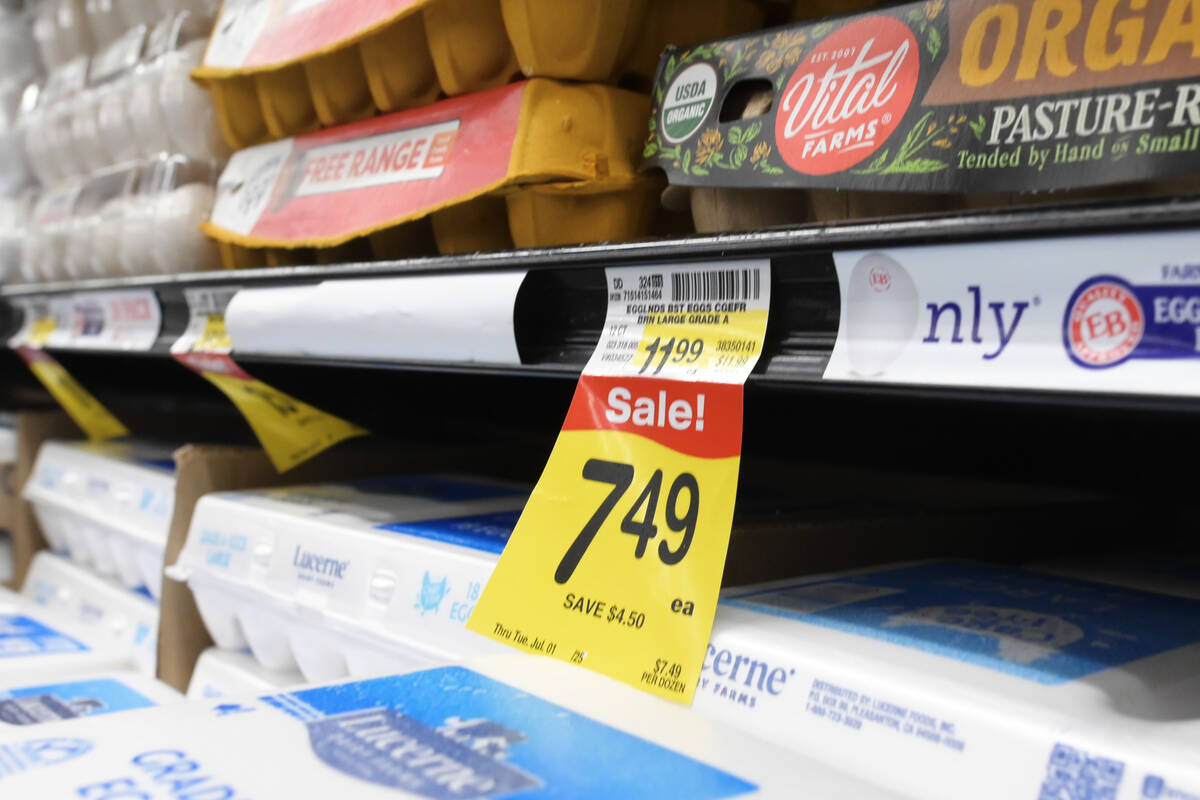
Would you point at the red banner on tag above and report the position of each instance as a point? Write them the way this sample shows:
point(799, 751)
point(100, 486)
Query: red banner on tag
point(673, 413)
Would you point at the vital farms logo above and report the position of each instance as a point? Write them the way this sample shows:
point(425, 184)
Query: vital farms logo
point(848, 96)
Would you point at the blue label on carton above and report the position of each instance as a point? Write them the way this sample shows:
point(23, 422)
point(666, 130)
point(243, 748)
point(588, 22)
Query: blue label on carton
point(33, 704)
point(1041, 628)
point(35, 753)
point(439, 489)
point(25, 636)
point(452, 733)
point(488, 532)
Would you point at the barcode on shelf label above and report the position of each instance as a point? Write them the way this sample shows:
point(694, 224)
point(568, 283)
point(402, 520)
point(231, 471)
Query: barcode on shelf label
point(693, 322)
point(716, 284)
point(206, 320)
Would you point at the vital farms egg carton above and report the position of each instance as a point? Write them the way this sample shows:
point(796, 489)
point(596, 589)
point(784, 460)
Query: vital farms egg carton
point(931, 106)
point(276, 71)
point(108, 506)
point(1047, 686)
point(508, 727)
point(535, 163)
point(348, 579)
point(127, 617)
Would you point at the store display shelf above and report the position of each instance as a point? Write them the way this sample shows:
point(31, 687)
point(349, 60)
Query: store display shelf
point(559, 310)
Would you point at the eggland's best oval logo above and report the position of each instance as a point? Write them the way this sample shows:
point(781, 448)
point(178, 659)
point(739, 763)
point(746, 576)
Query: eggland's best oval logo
point(687, 101)
point(848, 96)
point(1104, 324)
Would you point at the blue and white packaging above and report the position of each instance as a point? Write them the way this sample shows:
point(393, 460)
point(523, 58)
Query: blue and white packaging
point(37, 645)
point(222, 673)
point(107, 505)
point(128, 618)
point(352, 578)
point(509, 726)
point(946, 680)
point(81, 696)
point(1177, 574)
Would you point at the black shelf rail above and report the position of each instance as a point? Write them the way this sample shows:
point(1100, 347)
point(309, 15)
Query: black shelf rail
point(560, 308)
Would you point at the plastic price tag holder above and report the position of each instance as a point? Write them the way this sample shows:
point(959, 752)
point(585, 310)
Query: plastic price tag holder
point(44, 318)
point(290, 431)
point(616, 561)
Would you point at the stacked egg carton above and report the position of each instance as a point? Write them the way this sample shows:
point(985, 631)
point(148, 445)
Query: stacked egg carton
point(123, 145)
point(107, 506)
point(81, 637)
point(266, 88)
point(340, 579)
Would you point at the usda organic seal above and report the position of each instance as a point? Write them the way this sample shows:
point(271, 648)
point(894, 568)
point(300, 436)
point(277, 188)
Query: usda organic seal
point(688, 99)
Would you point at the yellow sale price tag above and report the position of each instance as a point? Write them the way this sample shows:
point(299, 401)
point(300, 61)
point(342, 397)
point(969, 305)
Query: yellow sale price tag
point(616, 561)
point(96, 421)
point(290, 431)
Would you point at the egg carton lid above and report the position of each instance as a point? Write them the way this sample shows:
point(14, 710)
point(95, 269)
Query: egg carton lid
point(1010, 657)
point(53, 578)
point(349, 555)
point(1176, 574)
point(1036, 636)
point(508, 725)
point(36, 643)
point(86, 695)
point(220, 673)
point(129, 486)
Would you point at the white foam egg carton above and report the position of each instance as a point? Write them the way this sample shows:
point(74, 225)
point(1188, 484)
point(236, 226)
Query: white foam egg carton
point(37, 644)
point(221, 673)
point(80, 696)
point(352, 578)
point(513, 726)
point(126, 617)
point(107, 506)
point(955, 679)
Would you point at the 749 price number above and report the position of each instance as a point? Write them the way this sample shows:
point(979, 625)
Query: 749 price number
point(620, 476)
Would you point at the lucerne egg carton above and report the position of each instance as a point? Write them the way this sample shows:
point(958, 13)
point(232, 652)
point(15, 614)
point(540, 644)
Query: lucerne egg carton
point(80, 696)
point(348, 579)
point(37, 643)
point(108, 506)
point(514, 726)
point(222, 673)
point(957, 679)
point(126, 617)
